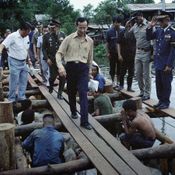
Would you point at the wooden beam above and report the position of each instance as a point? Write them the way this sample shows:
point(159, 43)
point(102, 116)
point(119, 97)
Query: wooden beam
point(63, 168)
point(28, 92)
point(21, 161)
point(24, 130)
point(161, 151)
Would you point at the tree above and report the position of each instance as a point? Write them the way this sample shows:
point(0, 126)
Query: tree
point(17, 9)
point(88, 11)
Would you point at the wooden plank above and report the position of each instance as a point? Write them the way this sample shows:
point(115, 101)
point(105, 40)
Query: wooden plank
point(32, 82)
point(96, 158)
point(170, 111)
point(100, 144)
point(119, 149)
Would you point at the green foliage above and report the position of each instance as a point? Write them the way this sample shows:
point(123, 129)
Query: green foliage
point(105, 11)
point(100, 55)
point(26, 9)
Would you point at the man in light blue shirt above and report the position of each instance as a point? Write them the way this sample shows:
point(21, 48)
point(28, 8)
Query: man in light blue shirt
point(46, 144)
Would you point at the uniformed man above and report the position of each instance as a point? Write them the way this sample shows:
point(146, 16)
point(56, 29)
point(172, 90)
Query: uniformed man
point(143, 55)
point(51, 43)
point(164, 57)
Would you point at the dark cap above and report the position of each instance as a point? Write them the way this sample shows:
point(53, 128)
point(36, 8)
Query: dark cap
point(54, 23)
point(163, 15)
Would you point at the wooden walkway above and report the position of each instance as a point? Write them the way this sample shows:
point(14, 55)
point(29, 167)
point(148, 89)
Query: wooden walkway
point(107, 154)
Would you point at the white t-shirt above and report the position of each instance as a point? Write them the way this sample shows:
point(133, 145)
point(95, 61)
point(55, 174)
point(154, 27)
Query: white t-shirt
point(39, 45)
point(17, 45)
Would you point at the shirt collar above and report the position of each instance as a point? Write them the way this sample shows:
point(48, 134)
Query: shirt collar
point(18, 34)
point(76, 35)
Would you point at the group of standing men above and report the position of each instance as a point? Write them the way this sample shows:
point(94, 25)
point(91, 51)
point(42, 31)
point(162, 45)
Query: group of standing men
point(76, 51)
point(130, 49)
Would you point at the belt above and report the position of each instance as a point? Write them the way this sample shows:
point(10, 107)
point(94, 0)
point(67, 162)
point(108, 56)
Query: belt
point(17, 59)
point(144, 49)
point(76, 62)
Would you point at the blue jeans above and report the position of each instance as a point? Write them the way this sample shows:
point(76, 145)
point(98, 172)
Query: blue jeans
point(18, 79)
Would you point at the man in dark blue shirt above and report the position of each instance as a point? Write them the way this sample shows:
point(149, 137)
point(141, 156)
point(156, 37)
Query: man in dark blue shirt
point(164, 57)
point(46, 144)
point(111, 38)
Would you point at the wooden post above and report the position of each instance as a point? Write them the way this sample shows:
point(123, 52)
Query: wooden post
point(6, 112)
point(7, 147)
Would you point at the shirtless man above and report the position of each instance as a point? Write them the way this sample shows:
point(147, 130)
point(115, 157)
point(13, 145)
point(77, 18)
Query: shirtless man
point(139, 130)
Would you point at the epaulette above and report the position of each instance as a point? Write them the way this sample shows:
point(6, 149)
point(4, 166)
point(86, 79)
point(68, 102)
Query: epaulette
point(173, 28)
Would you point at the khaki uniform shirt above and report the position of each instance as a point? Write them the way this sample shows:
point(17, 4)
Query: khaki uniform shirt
point(74, 49)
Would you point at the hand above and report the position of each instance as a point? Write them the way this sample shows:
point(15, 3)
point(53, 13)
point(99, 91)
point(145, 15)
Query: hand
point(123, 114)
point(120, 58)
point(49, 62)
point(167, 69)
point(128, 25)
point(62, 72)
point(109, 55)
point(30, 62)
point(153, 22)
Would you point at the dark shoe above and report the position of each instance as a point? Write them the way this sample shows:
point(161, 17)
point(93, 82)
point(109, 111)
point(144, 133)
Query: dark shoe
point(119, 88)
point(130, 90)
point(88, 126)
point(60, 97)
point(75, 116)
point(157, 105)
point(162, 106)
point(50, 89)
point(140, 95)
point(145, 98)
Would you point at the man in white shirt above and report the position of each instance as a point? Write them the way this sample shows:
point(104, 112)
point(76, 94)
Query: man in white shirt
point(17, 44)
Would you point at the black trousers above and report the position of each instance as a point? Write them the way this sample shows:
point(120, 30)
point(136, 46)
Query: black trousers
point(127, 65)
point(53, 75)
point(77, 80)
point(114, 63)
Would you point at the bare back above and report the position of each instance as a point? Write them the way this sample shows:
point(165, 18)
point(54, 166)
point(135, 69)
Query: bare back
point(143, 124)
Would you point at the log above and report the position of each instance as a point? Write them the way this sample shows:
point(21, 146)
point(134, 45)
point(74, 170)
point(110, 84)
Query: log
point(24, 130)
point(161, 151)
point(7, 147)
point(35, 104)
point(67, 167)
point(163, 138)
point(112, 96)
point(110, 118)
point(6, 112)
point(28, 92)
point(21, 161)
point(117, 118)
